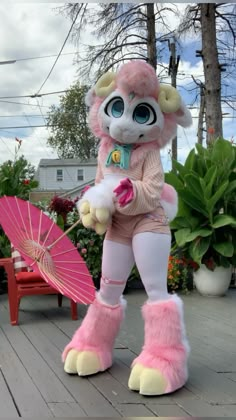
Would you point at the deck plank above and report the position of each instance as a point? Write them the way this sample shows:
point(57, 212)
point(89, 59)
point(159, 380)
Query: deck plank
point(120, 371)
point(209, 385)
point(27, 397)
point(163, 410)
point(60, 409)
point(50, 387)
point(84, 393)
point(7, 406)
point(131, 410)
point(33, 349)
point(113, 390)
point(199, 408)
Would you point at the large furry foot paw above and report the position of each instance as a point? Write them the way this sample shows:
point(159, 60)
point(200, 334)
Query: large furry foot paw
point(83, 363)
point(147, 381)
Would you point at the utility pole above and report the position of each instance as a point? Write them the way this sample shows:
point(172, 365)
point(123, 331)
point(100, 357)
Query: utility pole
point(151, 36)
point(212, 71)
point(173, 70)
point(201, 114)
point(202, 108)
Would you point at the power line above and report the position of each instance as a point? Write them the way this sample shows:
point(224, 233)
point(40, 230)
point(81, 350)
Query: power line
point(39, 139)
point(64, 43)
point(37, 57)
point(41, 112)
point(9, 150)
point(54, 125)
point(22, 103)
point(34, 95)
point(20, 116)
point(25, 126)
point(40, 109)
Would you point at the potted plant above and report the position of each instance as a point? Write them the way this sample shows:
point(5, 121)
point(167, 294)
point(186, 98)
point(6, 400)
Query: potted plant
point(205, 226)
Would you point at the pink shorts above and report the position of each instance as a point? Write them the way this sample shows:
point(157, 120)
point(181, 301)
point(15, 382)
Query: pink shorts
point(124, 228)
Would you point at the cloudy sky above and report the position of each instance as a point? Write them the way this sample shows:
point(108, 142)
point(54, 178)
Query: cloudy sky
point(35, 30)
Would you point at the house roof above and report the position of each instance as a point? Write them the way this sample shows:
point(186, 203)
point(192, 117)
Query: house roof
point(67, 162)
point(77, 189)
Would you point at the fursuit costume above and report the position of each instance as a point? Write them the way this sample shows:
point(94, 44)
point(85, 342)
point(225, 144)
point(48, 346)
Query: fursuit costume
point(134, 116)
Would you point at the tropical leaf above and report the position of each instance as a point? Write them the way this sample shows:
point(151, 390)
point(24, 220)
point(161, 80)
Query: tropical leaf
point(222, 153)
point(174, 180)
point(198, 233)
point(223, 220)
point(198, 248)
point(177, 166)
point(189, 162)
point(183, 209)
point(193, 202)
point(231, 187)
point(216, 197)
point(194, 185)
point(180, 222)
point(200, 149)
point(209, 179)
point(181, 236)
point(224, 248)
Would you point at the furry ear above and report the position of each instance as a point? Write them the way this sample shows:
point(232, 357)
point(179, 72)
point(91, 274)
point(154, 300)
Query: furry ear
point(106, 84)
point(183, 116)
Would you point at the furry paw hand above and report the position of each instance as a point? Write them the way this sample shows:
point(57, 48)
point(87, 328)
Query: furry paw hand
point(97, 219)
point(124, 192)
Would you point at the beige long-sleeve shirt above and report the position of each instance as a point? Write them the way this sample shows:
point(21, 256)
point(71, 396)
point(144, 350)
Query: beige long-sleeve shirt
point(146, 173)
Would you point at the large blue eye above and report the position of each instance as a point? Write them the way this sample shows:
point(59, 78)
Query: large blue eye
point(115, 108)
point(144, 114)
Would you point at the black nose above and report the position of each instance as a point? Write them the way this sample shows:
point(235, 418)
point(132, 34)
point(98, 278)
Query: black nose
point(141, 135)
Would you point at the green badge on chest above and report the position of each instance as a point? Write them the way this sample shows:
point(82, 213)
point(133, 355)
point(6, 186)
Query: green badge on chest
point(120, 156)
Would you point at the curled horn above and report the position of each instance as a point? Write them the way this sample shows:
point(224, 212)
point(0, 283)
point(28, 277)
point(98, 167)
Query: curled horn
point(169, 99)
point(105, 85)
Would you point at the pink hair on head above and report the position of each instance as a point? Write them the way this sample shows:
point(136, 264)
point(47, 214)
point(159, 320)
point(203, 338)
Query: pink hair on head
point(169, 130)
point(93, 117)
point(138, 77)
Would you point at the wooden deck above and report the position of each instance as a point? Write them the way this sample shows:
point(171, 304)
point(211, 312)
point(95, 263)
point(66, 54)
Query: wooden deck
point(33, 383)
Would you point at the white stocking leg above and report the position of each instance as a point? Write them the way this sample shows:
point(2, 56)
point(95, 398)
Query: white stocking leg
point(151, 252)
point(117, 262)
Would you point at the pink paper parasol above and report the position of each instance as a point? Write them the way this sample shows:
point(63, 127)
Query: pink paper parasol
point(46, 249)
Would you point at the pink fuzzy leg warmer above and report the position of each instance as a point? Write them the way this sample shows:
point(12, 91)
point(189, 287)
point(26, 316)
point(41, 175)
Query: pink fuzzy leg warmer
point(165, 345)
point(98, 331)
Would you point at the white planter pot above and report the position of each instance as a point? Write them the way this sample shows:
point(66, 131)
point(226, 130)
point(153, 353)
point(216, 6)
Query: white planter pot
point(212, 283)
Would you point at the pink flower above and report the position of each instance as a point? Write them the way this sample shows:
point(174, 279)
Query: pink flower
point(78, 245)
point(84, 251)
point(91, 243)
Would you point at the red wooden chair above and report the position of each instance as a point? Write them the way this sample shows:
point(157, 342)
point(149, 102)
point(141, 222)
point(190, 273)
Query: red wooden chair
point(22, 282)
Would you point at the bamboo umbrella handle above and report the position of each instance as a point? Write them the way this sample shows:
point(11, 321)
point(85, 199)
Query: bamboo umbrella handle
point(49, 247)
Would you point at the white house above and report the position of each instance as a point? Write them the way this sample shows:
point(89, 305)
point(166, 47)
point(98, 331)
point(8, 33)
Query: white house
point(59, 176)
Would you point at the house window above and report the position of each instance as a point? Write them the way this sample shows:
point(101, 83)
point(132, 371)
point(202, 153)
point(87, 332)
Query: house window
point(59, 175)
point(80, 175)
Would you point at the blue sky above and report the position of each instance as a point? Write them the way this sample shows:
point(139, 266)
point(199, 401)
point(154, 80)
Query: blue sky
point(44, 31)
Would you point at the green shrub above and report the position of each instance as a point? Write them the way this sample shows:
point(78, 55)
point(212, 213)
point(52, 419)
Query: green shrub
point(204, 228)
point(89, 245)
